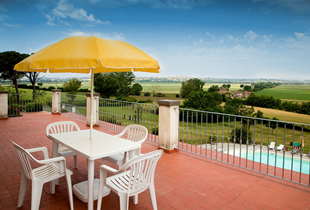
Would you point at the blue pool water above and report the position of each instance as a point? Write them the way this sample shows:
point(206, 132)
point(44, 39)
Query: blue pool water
point(279, 161)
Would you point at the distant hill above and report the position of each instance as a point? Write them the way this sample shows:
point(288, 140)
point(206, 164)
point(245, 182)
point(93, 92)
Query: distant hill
point(179, 79)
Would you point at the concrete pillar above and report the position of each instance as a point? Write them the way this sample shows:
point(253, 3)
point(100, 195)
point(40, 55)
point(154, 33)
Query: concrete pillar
point(95, 109)
point(56, 100)
point(4, 105)
point(168, 131)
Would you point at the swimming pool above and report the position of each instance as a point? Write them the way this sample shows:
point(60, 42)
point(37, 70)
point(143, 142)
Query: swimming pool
point(279, 161)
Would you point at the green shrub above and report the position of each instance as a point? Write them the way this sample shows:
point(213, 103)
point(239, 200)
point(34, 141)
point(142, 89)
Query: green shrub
point(147, 94)
point(155, 131)
point(177, 95)
point(244, 135)
point(13, 110)
point(33, 107)
point(63, 110)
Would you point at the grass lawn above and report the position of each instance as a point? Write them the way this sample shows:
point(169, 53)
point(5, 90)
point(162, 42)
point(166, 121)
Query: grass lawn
point(288, 92)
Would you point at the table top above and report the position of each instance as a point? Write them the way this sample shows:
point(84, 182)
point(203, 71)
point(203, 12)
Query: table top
point(102, 144)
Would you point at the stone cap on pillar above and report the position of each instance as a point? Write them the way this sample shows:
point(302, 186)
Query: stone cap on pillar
point(95, 94)
point(56, 90)
point(168, 102)
point(4, 92)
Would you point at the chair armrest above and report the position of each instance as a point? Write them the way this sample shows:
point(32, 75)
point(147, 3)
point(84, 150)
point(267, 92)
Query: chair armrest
point(39, 149)
point(121, 133)
point(109, 169)
point(52, 160)
point(61, 160)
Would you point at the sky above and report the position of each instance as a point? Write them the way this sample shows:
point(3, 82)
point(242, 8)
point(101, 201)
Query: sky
point(238, 39)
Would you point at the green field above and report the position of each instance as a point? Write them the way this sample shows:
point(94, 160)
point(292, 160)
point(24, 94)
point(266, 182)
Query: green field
point(288, 92)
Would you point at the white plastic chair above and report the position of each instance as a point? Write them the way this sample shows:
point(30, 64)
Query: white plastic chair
point(136, 133)
point(272, 145)
point(50, 170)
point(63, 127)
point(137, 179)
point(280, 147)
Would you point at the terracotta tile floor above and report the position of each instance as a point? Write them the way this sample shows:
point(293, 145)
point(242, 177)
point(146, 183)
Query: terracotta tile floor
point(182, 181)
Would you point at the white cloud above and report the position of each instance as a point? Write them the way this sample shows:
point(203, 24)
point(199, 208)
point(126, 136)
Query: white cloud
point(211, 35)
point(250, 36)
point(114, 35)
point(267, 39)
point(299, 35)
point(30, 50)
point(64, 10)
point(12, 25)
point(232, 38)
point(50, 20)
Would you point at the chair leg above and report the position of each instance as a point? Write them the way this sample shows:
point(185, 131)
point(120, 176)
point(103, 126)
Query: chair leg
point(69, 185)
point(135, 199)
point(22, 190)
point(153, 196)
point(36, 195)
point(101, 186)
point(75, 161)
point(52, 186)
point(123, 201)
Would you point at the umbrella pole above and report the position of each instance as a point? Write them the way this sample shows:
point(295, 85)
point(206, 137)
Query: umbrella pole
point(91, 104)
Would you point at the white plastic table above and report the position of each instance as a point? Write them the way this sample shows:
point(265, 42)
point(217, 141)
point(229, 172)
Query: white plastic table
point(102, 145)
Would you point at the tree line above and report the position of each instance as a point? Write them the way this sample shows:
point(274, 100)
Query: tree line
point(274, 103)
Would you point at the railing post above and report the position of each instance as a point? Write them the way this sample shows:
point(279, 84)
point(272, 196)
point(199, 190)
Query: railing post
point(56, 100)
point(4, 105)
point(168, 131)
point(95, 109)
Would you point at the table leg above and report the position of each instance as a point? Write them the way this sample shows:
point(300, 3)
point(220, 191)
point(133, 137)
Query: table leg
point(91, 173)
point(55, 154)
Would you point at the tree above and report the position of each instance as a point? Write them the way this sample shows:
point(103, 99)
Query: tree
point(247, 88)
point(227, 86)
point(235, 106)
point(214, 88)
point(191, 85)
point(8, 59)
point(244, 135)
point(113, 84)
point(273, 124)
point(203, 100)
point(33, 78)
point(136, 89)
point(242, 85)
point(72, 87)
point(124, 79)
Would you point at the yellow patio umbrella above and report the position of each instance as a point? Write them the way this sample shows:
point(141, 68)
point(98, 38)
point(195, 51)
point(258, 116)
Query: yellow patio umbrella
point(88, 54)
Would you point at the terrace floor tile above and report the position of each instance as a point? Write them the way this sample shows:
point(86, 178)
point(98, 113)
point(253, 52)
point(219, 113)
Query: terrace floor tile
point(182, 180)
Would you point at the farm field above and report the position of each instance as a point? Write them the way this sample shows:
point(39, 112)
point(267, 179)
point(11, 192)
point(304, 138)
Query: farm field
point(284, 116)
point(288, 92)
point(175, 87)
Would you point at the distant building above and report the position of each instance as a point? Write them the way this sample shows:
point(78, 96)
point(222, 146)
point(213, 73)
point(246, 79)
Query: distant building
point(240, 94)
point(246, 94)
point(222, 91)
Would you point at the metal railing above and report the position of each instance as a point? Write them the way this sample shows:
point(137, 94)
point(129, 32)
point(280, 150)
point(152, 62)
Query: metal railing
point(74, 106)
point(116, 115)
point(19, 104)
point(246, 142)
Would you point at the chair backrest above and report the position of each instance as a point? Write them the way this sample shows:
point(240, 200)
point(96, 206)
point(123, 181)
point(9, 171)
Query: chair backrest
point(135, 132)
point(61, 127)
point(24, 157)
point(272, 144)
point(142, 171)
